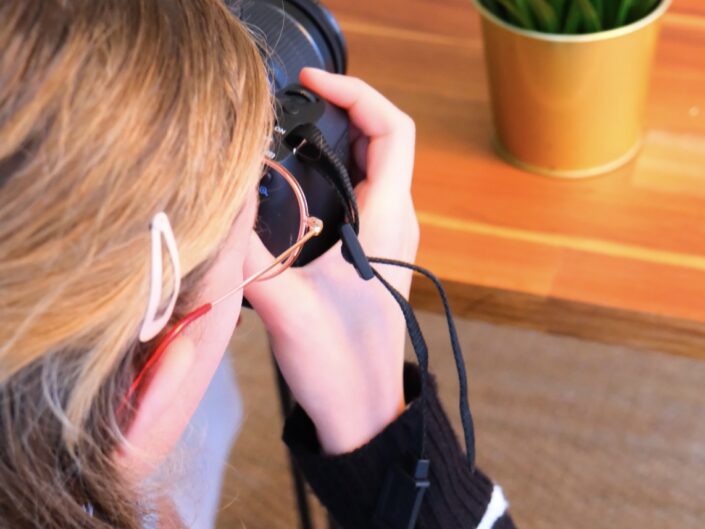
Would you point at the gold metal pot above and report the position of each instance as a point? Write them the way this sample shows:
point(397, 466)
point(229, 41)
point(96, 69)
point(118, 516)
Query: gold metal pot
point(569, 105)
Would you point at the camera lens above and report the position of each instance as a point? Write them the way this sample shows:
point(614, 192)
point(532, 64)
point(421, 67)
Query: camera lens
point(297, 33)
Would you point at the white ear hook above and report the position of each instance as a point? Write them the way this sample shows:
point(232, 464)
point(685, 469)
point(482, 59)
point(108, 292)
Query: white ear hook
point(154, 323)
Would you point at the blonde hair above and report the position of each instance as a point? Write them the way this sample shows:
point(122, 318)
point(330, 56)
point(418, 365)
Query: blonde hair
point(110, 111)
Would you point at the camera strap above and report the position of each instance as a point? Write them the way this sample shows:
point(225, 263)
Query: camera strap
point(403, 491)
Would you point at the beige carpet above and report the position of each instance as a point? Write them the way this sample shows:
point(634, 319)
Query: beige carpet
point(579, 434)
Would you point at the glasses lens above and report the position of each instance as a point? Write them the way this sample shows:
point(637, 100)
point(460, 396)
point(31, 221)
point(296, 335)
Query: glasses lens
point(280, 215)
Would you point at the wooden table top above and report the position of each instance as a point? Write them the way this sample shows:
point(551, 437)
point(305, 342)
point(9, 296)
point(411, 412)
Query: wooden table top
point(632, 240)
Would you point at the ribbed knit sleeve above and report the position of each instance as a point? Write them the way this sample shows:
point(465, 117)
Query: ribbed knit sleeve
point(350, 485)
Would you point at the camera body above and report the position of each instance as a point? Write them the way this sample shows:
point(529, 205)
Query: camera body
point(296, 34)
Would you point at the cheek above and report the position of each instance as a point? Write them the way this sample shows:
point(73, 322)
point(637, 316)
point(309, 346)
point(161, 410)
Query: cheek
point(240, 234)
point(246, 221)
point(226, 272)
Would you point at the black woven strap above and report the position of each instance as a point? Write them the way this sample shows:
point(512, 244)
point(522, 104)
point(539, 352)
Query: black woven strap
point(465, 414)
point(310, 147)
point(400, 503)
point(313, 149)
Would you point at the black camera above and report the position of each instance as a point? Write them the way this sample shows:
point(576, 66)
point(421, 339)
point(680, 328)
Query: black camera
point(296, 34)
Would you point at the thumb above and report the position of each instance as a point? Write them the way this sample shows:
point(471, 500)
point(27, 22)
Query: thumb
point(269, 296)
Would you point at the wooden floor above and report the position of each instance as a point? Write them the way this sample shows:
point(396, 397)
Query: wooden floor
point(579, 434)
point(633, 240)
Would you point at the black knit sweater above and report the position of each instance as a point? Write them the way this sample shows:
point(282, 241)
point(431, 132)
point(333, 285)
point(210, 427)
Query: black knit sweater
point(352, 486)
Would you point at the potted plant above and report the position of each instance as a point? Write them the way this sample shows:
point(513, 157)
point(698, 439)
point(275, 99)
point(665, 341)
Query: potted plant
point(569, 80)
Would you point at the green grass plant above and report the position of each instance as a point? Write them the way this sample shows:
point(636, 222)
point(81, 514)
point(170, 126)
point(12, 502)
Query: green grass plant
point(570, 16)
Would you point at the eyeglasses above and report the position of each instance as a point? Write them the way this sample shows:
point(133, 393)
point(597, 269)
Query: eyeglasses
point(308, 227)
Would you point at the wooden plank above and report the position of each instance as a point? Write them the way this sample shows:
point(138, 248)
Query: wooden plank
point(493, 260)
point(632, 284)
point(551, 315)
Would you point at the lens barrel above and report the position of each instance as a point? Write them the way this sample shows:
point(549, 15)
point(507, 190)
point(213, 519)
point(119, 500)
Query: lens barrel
point(295, 34)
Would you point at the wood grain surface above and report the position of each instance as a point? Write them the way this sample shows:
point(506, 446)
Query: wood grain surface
point(632, 240)
point(607, 325)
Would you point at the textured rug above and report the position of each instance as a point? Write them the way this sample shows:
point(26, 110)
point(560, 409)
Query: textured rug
point(579, 434)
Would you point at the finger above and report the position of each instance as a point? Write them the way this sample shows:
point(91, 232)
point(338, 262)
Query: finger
point(391, 132)
point(358, 98)
point(359, 151)
point(355, 133)
point(385, 201)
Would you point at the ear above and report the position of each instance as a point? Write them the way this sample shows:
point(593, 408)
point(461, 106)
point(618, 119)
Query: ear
point(164, 409)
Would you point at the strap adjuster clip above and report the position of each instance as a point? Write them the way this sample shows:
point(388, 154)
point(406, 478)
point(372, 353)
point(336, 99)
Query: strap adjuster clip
point(353, 252)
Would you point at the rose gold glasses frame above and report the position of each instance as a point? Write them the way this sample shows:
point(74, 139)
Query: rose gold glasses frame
point(309, 227)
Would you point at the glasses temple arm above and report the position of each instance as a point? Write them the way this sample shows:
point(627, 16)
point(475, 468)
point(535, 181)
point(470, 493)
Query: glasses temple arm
point(315, 231)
